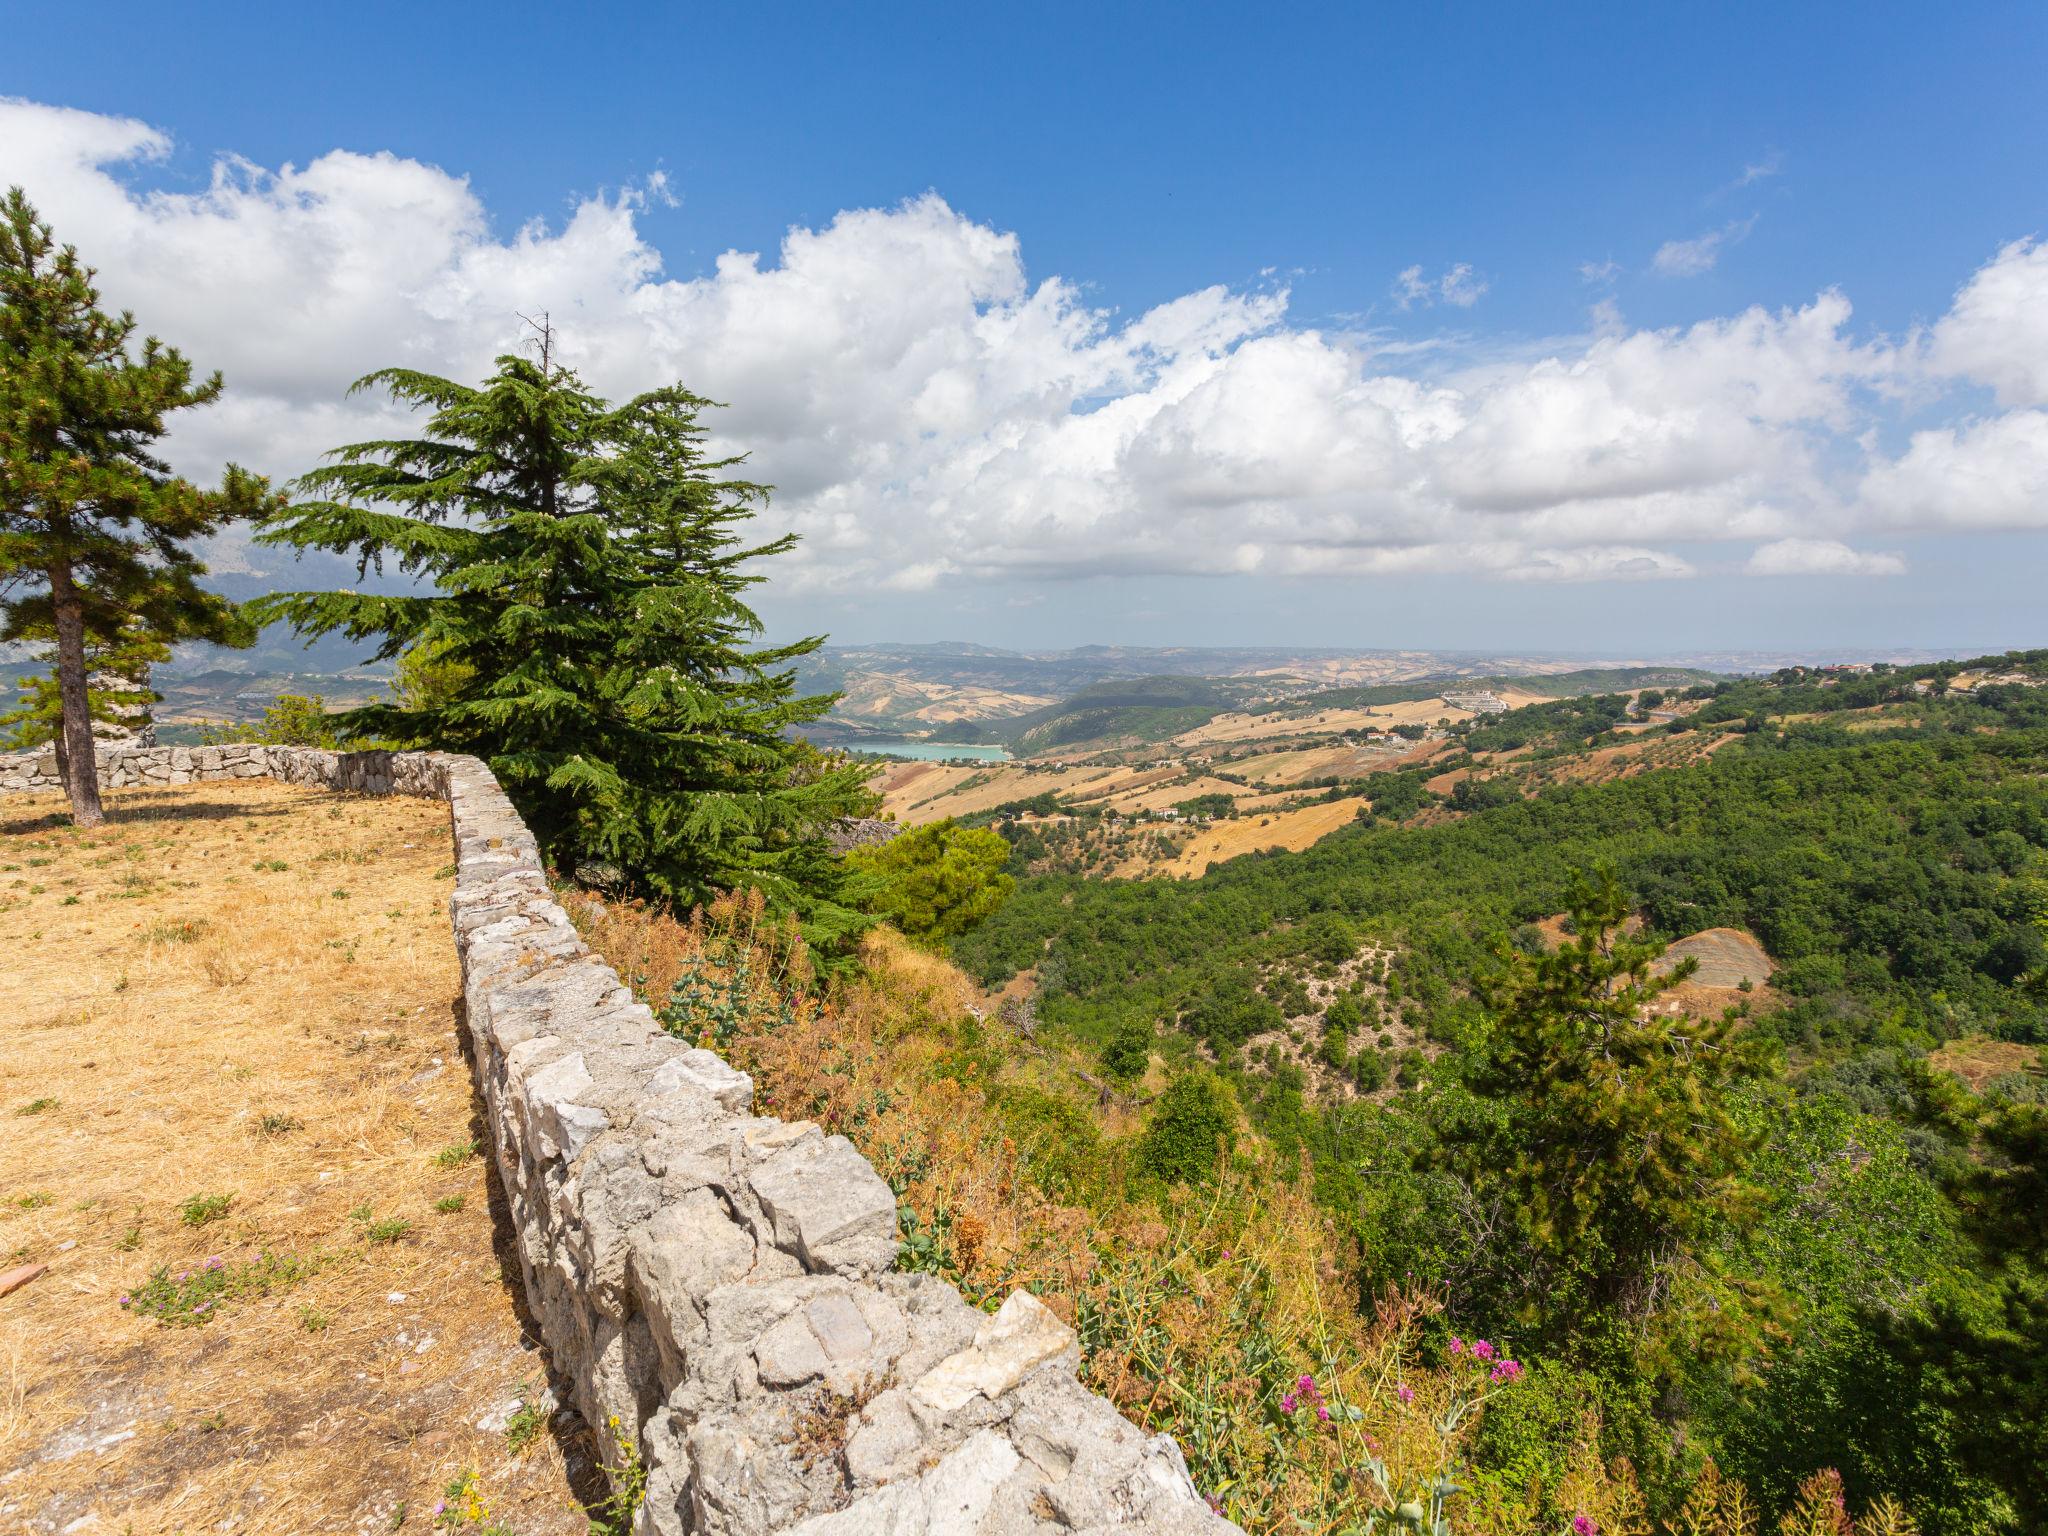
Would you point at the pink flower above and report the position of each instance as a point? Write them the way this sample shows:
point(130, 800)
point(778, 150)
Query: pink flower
point(1584, 1525)
point(1507, 1370)
point(1323, 1414)
point(1482, 1350)
point(1287, 1403)
point(1457, 1345)
point(1226, 1253)
point(1306, 1382)
point(1405, 1394)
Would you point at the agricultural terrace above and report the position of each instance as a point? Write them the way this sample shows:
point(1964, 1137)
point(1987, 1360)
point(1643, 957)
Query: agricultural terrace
point(241, 1137)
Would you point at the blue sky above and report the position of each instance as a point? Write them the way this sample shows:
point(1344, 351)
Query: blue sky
point(1454, 200)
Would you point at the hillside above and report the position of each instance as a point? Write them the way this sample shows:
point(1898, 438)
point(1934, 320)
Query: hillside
point(1140, 777)
point(1855, 859)
point(1128, 711)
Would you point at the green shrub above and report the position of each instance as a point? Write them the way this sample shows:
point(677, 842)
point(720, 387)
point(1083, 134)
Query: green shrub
point(1129, 1048)
point(1194, 1121)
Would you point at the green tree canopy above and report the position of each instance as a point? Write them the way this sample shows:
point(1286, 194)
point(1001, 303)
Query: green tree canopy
point(94, 528)
point(1193, 1124)
point(118, 693)
point(1617, 1155)
point(579, 587)
point(936, 882)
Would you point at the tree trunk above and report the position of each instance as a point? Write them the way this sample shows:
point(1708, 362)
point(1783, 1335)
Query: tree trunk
point(81, 763)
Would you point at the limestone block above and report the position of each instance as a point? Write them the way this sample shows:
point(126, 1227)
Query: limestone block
point(554, 1096)
point(1023, 1336)
point(955, 1498)
point(828, 1207)
point(700, 1069)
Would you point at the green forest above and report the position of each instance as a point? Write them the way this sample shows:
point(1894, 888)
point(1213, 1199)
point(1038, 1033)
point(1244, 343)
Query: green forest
point(1841, 1288)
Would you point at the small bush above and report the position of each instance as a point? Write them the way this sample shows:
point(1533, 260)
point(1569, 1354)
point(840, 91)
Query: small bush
point(448, 1205)
point(528, 1423)
point(1194, 1118)
point(198, 1210)
point(193, 1296)
point(455, 1154)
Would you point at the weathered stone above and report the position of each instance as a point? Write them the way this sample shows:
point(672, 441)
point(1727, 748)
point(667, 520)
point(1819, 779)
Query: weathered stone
point(954, 1498)
point(828, 1207)
point(1021, 1337)
point(789, 1353)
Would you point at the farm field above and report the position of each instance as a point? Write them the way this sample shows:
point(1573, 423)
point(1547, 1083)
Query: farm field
point(1290, 830)
point(243, 1140)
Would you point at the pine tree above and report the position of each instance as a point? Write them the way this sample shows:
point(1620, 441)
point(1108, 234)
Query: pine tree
point(579, 588)
point(93, 526)
point(1615, 1156)
point(118, 692)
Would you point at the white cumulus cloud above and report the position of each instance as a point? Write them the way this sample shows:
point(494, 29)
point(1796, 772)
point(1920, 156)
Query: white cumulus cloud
point(1996, 331)
point(1982, 475)
point(1821, 557)
point(931, 411)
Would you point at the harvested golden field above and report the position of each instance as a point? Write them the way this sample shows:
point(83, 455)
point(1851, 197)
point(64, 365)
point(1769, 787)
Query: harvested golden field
point(1233, 729)
point(916, 793)
point(235, 1094)
point(1292, 830)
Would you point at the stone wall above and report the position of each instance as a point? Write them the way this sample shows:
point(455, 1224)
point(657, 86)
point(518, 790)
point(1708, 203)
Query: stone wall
point(717, 1282)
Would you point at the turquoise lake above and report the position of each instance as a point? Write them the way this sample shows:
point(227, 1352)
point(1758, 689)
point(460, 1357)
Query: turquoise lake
point(934, 751)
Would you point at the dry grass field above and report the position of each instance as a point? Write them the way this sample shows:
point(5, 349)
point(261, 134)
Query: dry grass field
point(241, 1135)
point(1293, 830)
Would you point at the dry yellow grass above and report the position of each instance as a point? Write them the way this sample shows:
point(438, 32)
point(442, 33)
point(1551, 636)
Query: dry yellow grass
point(247, 989)
point(1235, 728)
point(1293, 830)
point(1977, 1059)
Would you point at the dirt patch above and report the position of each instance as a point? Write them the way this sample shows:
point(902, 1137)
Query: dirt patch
point(1728, 957)
point(236, 1095)
point(1977, 1059)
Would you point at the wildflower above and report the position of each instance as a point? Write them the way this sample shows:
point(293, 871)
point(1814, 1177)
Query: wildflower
point(1457, 1345)
point(1323, 1414)
point(1482, 1350)
point(1305, 1382)
point(1507, 1370)
point(1406, 1394)
point(1226, 1253)
point(214, 1262)
point(127, 1301)
point(1287, 1403)
point(441, 1508)
point(1584, 1525)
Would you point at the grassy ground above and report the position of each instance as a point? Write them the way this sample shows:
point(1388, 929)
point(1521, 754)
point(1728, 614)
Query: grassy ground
point(234, 1094)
